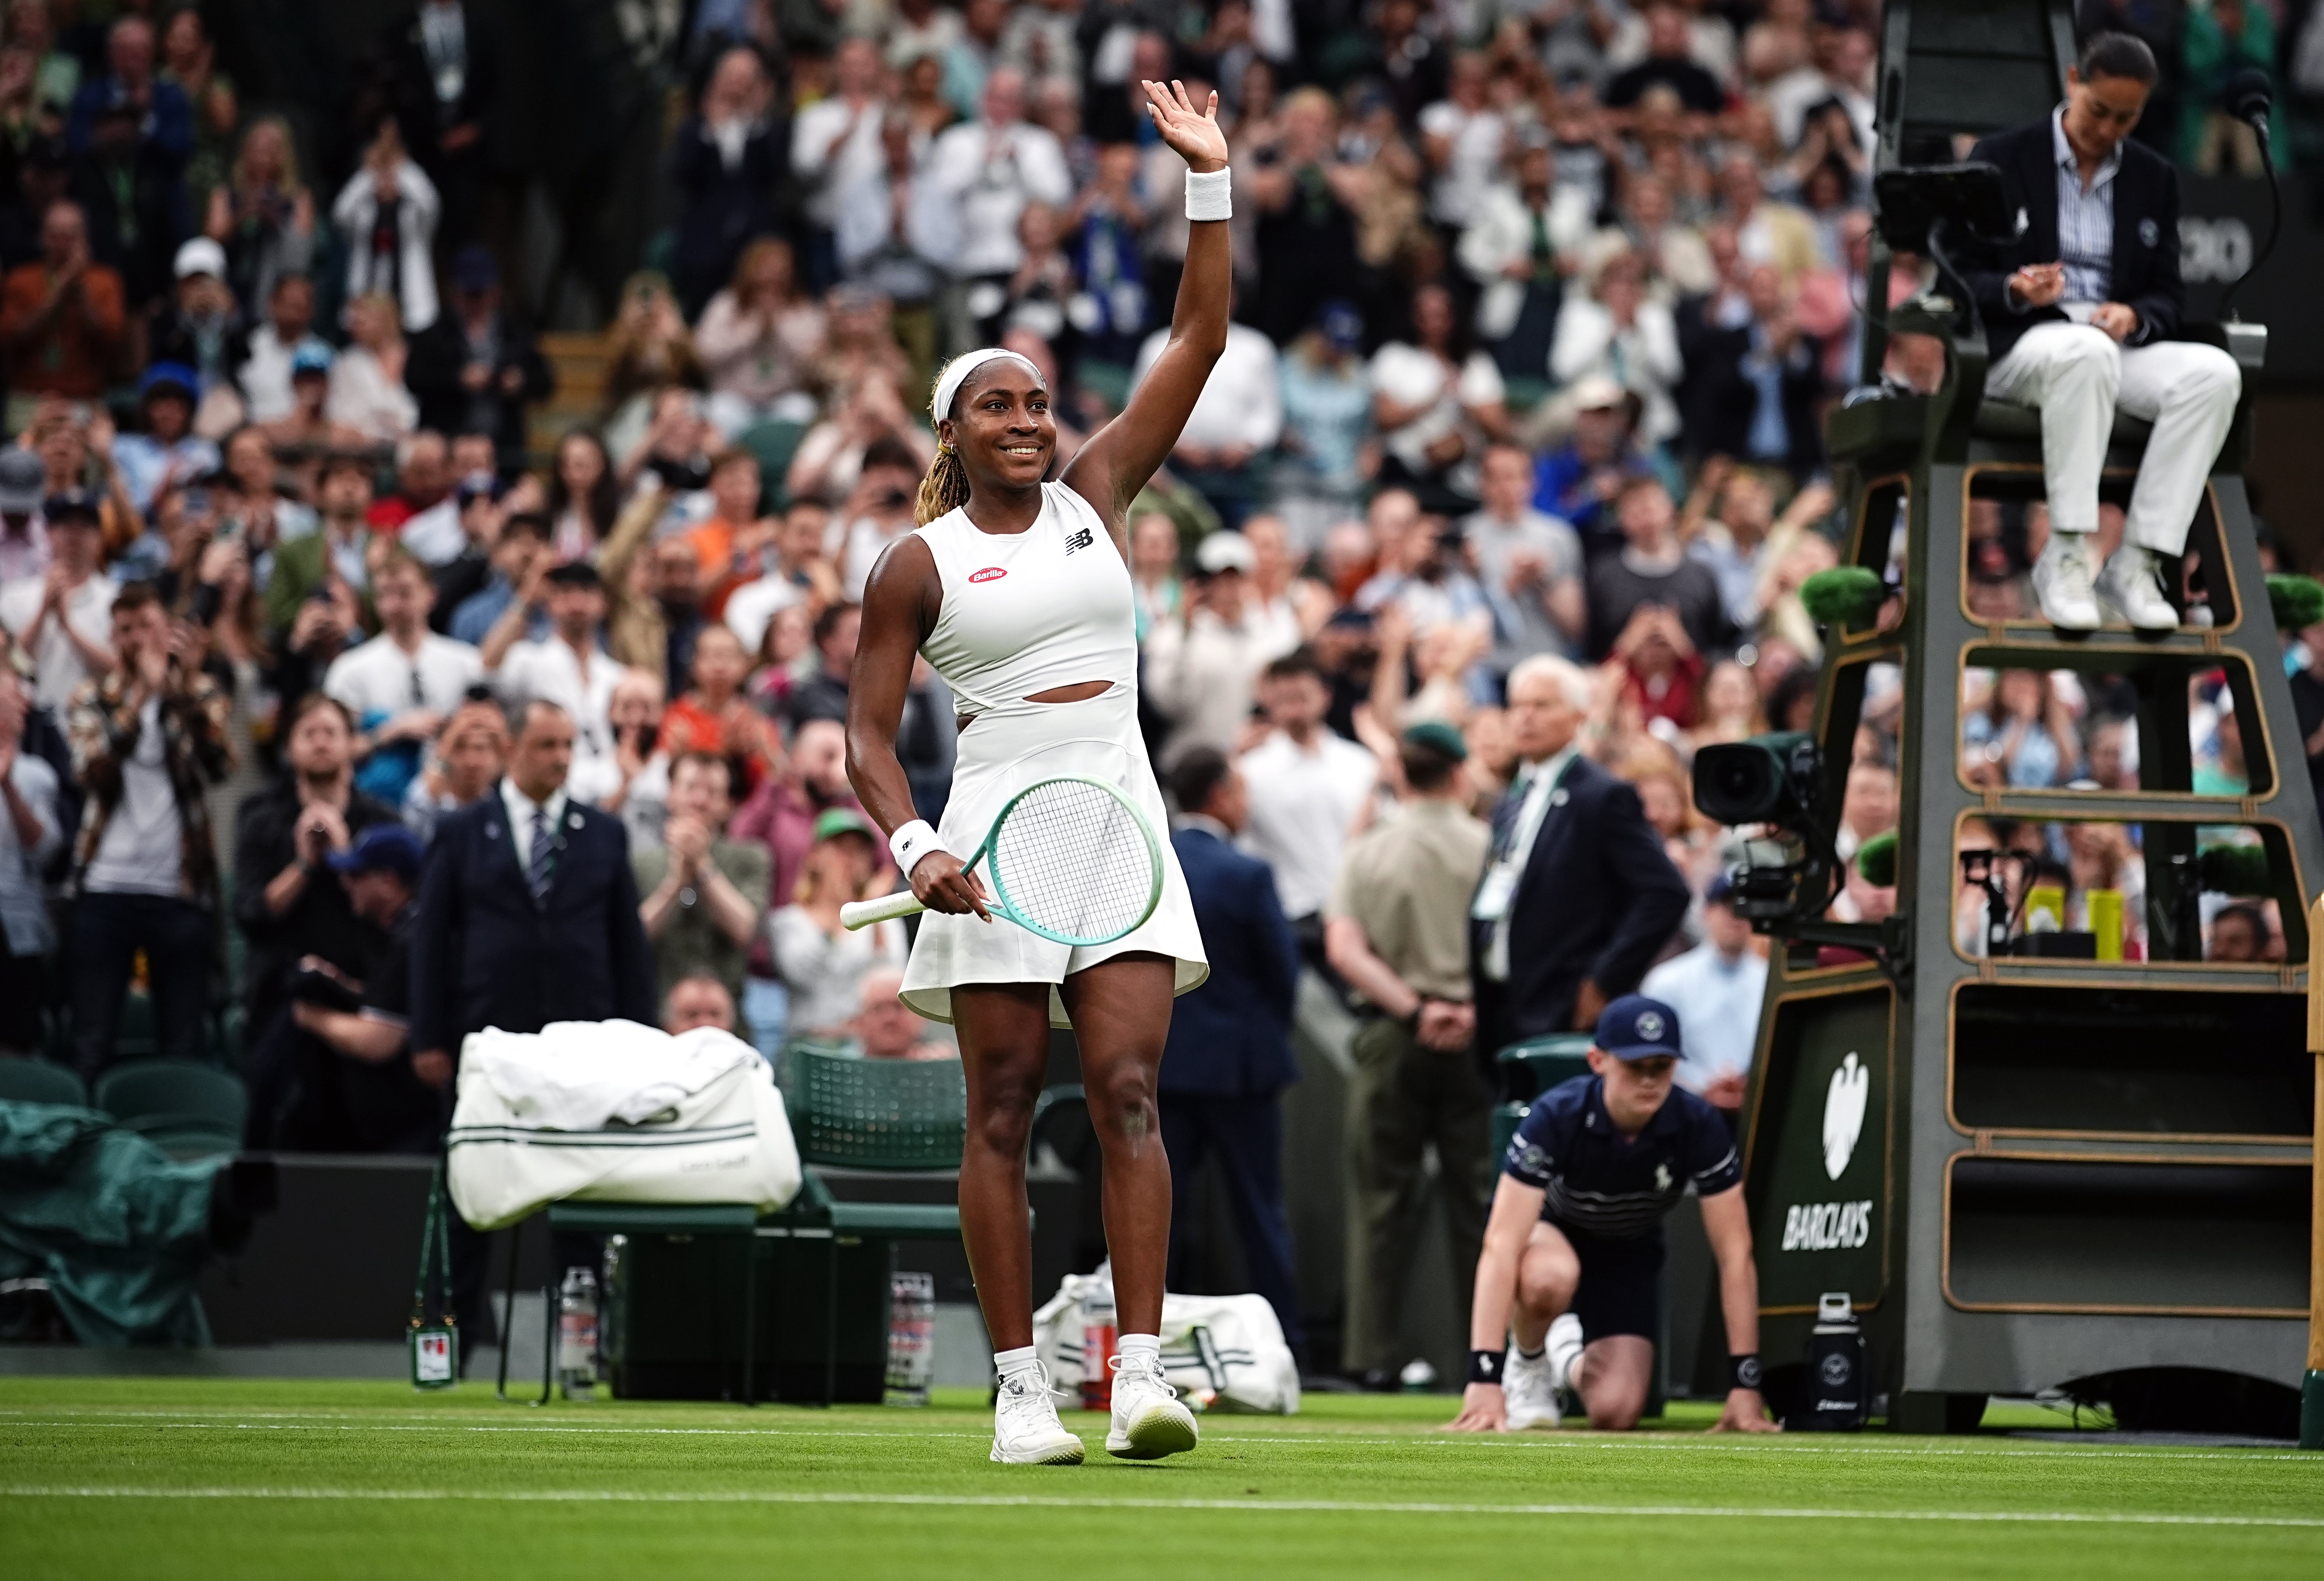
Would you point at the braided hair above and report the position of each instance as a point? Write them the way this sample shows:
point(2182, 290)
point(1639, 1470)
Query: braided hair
point(945, 489)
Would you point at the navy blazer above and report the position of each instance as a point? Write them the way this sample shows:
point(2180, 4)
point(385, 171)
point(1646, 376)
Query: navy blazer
point(1597, 900)
point(1232, 1036)
point(483, 955)
point(2145, 236)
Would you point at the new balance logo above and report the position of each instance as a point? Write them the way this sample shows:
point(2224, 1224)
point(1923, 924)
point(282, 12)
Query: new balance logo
point(1081, 540)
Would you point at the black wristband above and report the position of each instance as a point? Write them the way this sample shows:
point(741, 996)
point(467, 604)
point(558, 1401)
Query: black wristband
point(1485, 1366)
point(1743, 1372)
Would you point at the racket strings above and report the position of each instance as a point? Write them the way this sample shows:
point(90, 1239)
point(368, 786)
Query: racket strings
point(1074, 861)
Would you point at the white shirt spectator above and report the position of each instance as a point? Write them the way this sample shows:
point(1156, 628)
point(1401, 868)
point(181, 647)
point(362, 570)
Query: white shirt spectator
point(1200, 674)
point(140, 850)
point(88, 609)
point(1410, 376)
point(413, 277)
point(751, 607)
point(1302, 802)
point(266, 376)
point(1500, 233)
point(435, 536)
point(1643, 359)
point(835, 146)
point(1241, 404)
point(366, 400)
point(378, 680)
point(990, 173)
point(1477, 137)
point(550, 670)
point(825, 975)
point(1717, 1004)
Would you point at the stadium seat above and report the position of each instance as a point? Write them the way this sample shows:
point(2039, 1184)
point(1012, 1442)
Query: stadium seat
point(40, 1081)
point(1529, 1069)
point(188, 1100)
point(774, 444)
point(874, 1113)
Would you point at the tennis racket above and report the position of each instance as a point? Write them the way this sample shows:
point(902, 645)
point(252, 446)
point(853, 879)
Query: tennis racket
point(1070, 859)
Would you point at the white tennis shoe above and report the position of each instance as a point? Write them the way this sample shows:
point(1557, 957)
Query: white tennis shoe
point(1026, 1431)
point(2130, 586)
point(1149, 1421)
point(2062, 583)
point(1530, 1392)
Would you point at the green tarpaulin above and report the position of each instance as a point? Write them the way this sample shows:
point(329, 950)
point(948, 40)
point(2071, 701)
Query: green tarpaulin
point(118, 1228)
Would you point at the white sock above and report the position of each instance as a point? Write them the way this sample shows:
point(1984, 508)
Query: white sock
point(1533, 1355)
point(1149, 1346)
point(1021, 1360)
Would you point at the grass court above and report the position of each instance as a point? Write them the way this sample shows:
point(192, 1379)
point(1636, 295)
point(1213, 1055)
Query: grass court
point(186, 1478)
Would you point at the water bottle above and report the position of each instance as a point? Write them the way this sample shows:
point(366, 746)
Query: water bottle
point(1837, 1401)
point(1099, 1337)
point(577, 1334)
point(911, 1338)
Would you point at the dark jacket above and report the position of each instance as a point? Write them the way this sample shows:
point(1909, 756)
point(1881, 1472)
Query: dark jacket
point(1720, 399)
point(1598, 898)
point(319, 923)
point(439, 354)
point(1232, 1036)
point(483, 955)
point(722, 208)
point(2145, 237)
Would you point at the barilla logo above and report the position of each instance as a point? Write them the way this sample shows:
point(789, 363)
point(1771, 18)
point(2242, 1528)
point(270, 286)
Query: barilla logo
point(988, 574)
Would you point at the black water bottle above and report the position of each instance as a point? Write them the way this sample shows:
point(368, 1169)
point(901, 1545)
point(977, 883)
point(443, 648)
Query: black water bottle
point(1837, 1392)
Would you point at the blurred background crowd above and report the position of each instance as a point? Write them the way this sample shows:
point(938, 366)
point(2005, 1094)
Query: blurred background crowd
point(1539, 305)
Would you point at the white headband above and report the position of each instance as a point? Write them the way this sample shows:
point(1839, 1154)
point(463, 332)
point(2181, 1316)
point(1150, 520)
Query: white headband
point(956, 373)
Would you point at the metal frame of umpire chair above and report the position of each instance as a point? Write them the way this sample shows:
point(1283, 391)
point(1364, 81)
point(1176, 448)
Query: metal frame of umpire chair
point(1979, 1146)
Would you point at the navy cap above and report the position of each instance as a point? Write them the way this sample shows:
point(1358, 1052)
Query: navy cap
point(1635, 1027)
point(71, 504)
point(387, 848)
point(1721, 887)
point(169, 376)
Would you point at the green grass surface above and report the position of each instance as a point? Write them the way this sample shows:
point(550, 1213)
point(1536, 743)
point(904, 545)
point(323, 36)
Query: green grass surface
point(184, 1478)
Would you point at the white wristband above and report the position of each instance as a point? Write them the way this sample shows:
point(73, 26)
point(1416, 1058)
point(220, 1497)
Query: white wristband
point(1210, 194)
point(908, 845)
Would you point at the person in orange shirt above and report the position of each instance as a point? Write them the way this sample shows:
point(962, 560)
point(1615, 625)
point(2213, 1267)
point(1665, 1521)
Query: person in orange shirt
point(737, 532)
point(715, 716)
point(62, 321)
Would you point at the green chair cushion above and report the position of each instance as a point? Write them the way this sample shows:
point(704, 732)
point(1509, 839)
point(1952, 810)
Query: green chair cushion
point(875, 1114)
point(40, 1081)
point(190, 1088)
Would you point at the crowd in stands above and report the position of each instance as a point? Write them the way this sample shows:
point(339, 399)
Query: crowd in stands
point(1538, 308)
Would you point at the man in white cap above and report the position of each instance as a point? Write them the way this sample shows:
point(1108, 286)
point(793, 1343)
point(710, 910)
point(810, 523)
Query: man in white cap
point(1201, 668)
point(203, 328)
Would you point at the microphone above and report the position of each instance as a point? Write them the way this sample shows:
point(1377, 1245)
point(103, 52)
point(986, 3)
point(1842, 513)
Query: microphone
point(2250, 96)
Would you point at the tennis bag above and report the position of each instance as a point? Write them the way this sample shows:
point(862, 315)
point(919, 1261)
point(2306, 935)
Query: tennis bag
point(615, 1112)
point(1220, 1353)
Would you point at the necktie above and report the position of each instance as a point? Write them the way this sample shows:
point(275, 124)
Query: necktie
point(542, 864)
point(1510, 813)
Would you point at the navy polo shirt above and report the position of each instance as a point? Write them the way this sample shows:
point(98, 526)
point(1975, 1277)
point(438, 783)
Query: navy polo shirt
point(1603, 1184)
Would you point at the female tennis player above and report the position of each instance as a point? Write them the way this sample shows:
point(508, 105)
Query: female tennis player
point(1017, 592)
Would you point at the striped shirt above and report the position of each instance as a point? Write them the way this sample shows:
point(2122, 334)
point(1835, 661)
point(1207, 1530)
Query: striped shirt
point(2085, 221)
point(1595, 1180)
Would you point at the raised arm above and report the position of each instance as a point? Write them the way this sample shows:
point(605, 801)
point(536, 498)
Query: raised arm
point(901, 601)
point(1118, 459)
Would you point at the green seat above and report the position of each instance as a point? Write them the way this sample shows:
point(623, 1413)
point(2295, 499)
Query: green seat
point(40, 1081)
point(133, 1037)
point(1529, 1069)
point(774, 443)
point(875, 1114)
point(173, 1093)
point(187, 1136)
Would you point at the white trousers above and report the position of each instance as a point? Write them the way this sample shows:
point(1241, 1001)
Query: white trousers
point(2076, 375)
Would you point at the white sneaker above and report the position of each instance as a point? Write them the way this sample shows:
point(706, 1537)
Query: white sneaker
point(1149, 1421)
point(1026, 1431)
point(1530, 1391)
point(2130, 586)
point(1564, 1349)
point(2061, 582)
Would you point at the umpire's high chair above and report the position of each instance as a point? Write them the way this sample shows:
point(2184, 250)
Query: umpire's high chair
point(2026, 1169)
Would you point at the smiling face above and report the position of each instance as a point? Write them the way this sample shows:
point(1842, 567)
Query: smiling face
point(1001, 426)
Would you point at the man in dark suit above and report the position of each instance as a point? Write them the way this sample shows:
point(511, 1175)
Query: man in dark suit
point(2082, 315)
point(443, 81)
point(528, 915)
point(1229, 1056)
point(1577, 895)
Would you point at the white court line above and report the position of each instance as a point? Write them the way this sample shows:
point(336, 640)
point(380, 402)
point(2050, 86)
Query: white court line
point(288, 1421)
point(1269, 1506)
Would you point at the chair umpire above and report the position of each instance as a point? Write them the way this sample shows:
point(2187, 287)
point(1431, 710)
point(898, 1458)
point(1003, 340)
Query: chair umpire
point(2083, 315)
point(528, 915)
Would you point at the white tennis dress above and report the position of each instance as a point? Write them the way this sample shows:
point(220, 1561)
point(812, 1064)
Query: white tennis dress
point(1024, 612)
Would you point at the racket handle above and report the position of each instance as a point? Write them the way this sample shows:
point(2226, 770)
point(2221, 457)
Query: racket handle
point(886, 909)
